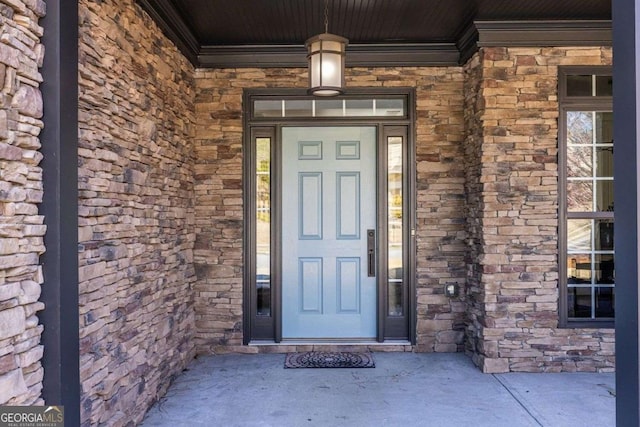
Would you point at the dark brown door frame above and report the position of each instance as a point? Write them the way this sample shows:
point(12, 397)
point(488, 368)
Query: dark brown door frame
point(269, 328)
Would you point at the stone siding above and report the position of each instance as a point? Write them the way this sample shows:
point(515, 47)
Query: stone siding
point(136, 215)
point(513, 227)
point(218, 204)
point(21, 228)
point(488, 223)
point(473, 109)
point(440, 198)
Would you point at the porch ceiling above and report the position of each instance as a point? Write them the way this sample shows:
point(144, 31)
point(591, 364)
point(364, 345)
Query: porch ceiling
point(271, 33)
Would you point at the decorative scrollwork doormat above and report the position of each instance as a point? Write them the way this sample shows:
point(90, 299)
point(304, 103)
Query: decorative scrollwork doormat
point(321, 359)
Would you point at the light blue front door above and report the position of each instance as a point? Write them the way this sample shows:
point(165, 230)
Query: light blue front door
point(329, 204)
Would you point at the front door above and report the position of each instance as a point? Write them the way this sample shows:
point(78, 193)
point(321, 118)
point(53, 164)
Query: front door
point(328, 232)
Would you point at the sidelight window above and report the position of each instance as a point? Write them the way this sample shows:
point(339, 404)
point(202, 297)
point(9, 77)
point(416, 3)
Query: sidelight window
point(263, 226)
point(395, 218)
point(396, 183)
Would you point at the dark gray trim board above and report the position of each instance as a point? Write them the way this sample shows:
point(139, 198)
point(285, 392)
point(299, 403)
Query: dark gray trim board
point(171, 23)
point(357, 55)
point(478, 34)
point(60, 209)
point(626, 119)
point(467, 43)
point(544, 33)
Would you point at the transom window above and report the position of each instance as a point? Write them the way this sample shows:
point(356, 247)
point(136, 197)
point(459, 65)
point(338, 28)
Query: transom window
point(269, 108)
point(587, 274)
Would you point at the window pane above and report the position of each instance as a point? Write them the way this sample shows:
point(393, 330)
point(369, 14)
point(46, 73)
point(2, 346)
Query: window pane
point(582, 85)
point(580, 196)
point(395, 225)
point(605, 302)
point(579, 161)
point(390, 107)
point(263, 226)
point(604, 162)
point(604, 86)
point(604, 127)
point(578, 235)
point(579, 269)
point(329, 108)
point(579, 127)
point(301, 108)
point(267, 108)
point(605, 274)
point(395, 295)
point(579, 302)
point(579, 85)
point(360, 107)
point(604, 196)
point(604, 235)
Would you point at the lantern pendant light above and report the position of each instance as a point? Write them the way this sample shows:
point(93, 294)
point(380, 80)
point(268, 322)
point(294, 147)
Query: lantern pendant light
point(326, 55)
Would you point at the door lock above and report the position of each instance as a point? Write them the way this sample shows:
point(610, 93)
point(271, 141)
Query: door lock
point(371, 253)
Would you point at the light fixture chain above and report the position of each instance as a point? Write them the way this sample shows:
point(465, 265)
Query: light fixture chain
point(326, 16)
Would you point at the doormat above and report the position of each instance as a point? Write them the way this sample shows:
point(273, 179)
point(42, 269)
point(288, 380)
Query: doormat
point(321, 359)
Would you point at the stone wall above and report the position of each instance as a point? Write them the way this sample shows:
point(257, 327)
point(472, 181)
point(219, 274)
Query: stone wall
point(136, 214)
point(473, 110)
point(513, 286)
point(21, 228)
point(218, 188)
point(440, 216)
point(218, 205)
point(489, 223)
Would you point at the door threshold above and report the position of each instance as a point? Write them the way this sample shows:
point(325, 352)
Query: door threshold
point(332, 342)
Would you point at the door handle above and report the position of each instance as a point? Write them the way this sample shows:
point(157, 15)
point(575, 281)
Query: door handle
point(371, 253)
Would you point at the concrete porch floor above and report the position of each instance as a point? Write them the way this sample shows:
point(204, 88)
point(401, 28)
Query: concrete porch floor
point(404, 389)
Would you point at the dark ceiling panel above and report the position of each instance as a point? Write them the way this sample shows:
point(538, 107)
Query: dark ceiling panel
point(251, 22)
point(219, 32)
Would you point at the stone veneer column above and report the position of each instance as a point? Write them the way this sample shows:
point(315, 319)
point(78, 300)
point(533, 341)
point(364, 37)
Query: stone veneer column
point(473, 110)
point(21, 228)
point(512, 182)
point(136, 212)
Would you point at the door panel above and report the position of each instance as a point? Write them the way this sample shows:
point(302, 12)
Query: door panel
point(310, 205)
point(328, 204)
point(348, 205)
point(310, 280)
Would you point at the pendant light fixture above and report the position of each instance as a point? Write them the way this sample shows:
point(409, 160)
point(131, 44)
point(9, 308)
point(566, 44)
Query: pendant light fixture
point(326, 61)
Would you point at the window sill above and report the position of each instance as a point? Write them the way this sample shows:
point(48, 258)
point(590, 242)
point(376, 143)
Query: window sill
point(588, 324)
